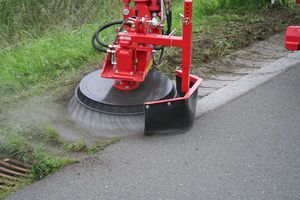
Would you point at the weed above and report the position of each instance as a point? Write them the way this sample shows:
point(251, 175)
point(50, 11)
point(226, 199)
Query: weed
point(45, 164)
point(103, 145)
point(51, 133)
point(8, 190)
point(74, 147)
point(17, 146)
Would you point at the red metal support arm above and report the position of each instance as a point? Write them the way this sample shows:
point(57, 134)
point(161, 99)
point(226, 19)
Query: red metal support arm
point(154, 39)
point(187, 35)
point(184, 42)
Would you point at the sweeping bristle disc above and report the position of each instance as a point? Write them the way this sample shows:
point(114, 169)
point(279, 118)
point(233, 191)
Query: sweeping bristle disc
point(98, 106)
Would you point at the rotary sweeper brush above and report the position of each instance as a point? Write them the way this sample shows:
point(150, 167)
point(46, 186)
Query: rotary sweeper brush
point(126, 96)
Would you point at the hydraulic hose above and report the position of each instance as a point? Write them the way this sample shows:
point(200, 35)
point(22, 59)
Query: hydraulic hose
point(162, 49)
point(169, 22)
point(96, 42)
point(160, 57)
point(102, 47)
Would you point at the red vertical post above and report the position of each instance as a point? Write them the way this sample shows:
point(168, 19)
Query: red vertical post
point(126, 2)
point(187, 35)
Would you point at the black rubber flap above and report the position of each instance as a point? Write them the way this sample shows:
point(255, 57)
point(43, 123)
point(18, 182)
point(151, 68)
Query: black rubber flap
point(171, 117)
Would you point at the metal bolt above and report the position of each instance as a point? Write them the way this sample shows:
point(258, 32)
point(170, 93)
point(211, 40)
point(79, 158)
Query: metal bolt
point(169, 103)
point(147, 106)
point(187, 21)
point(126, 12)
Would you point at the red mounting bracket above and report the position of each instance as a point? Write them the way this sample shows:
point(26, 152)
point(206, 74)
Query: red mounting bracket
point(292, 41)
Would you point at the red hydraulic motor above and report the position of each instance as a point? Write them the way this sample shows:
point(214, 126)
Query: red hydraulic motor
point(127, 84)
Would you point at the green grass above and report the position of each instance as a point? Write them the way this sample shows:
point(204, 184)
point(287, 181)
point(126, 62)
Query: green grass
point(207, 8)
point(50, 135)
point(31, 19)
point(45, 163)
point(19, 147)
point(7, 191)
point(45, 59)
point(29, 144)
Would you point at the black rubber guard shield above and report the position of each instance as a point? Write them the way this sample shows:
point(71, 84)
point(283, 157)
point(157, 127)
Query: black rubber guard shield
point(171, 117)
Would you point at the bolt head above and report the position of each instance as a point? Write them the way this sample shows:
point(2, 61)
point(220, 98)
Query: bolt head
point(126, 12)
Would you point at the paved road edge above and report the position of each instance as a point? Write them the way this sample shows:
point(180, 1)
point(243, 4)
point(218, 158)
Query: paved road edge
point(246, 84)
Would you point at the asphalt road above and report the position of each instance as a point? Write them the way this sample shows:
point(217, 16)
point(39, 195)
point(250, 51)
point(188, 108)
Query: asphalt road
point(248, 149)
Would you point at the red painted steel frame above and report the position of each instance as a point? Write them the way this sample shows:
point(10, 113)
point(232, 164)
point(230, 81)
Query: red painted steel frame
point(196, 83)
point(139, 38)
point(184, 42)
point(292, 41)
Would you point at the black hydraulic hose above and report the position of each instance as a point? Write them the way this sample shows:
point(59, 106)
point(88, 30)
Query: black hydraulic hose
point(102, 47)
point(169, 21)
point(162, 49)
point(96, 42)
point(160, 57)
point(103, 28)
point(169, 25)
point(97, 46)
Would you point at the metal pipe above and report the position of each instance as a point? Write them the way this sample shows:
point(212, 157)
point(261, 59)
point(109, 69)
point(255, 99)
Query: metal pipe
point(162, 8)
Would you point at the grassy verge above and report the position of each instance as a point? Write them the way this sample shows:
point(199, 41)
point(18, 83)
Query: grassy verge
point(45, 61)
point(33, 145)
point(7, 191)
point(32, 19)
point(51, 135)
point(43, 163)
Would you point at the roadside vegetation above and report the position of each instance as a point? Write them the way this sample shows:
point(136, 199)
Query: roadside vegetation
point(33, 145)
point(45, 49)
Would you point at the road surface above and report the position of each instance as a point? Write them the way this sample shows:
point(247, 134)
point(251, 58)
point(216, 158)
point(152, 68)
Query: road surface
point(248, 149)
